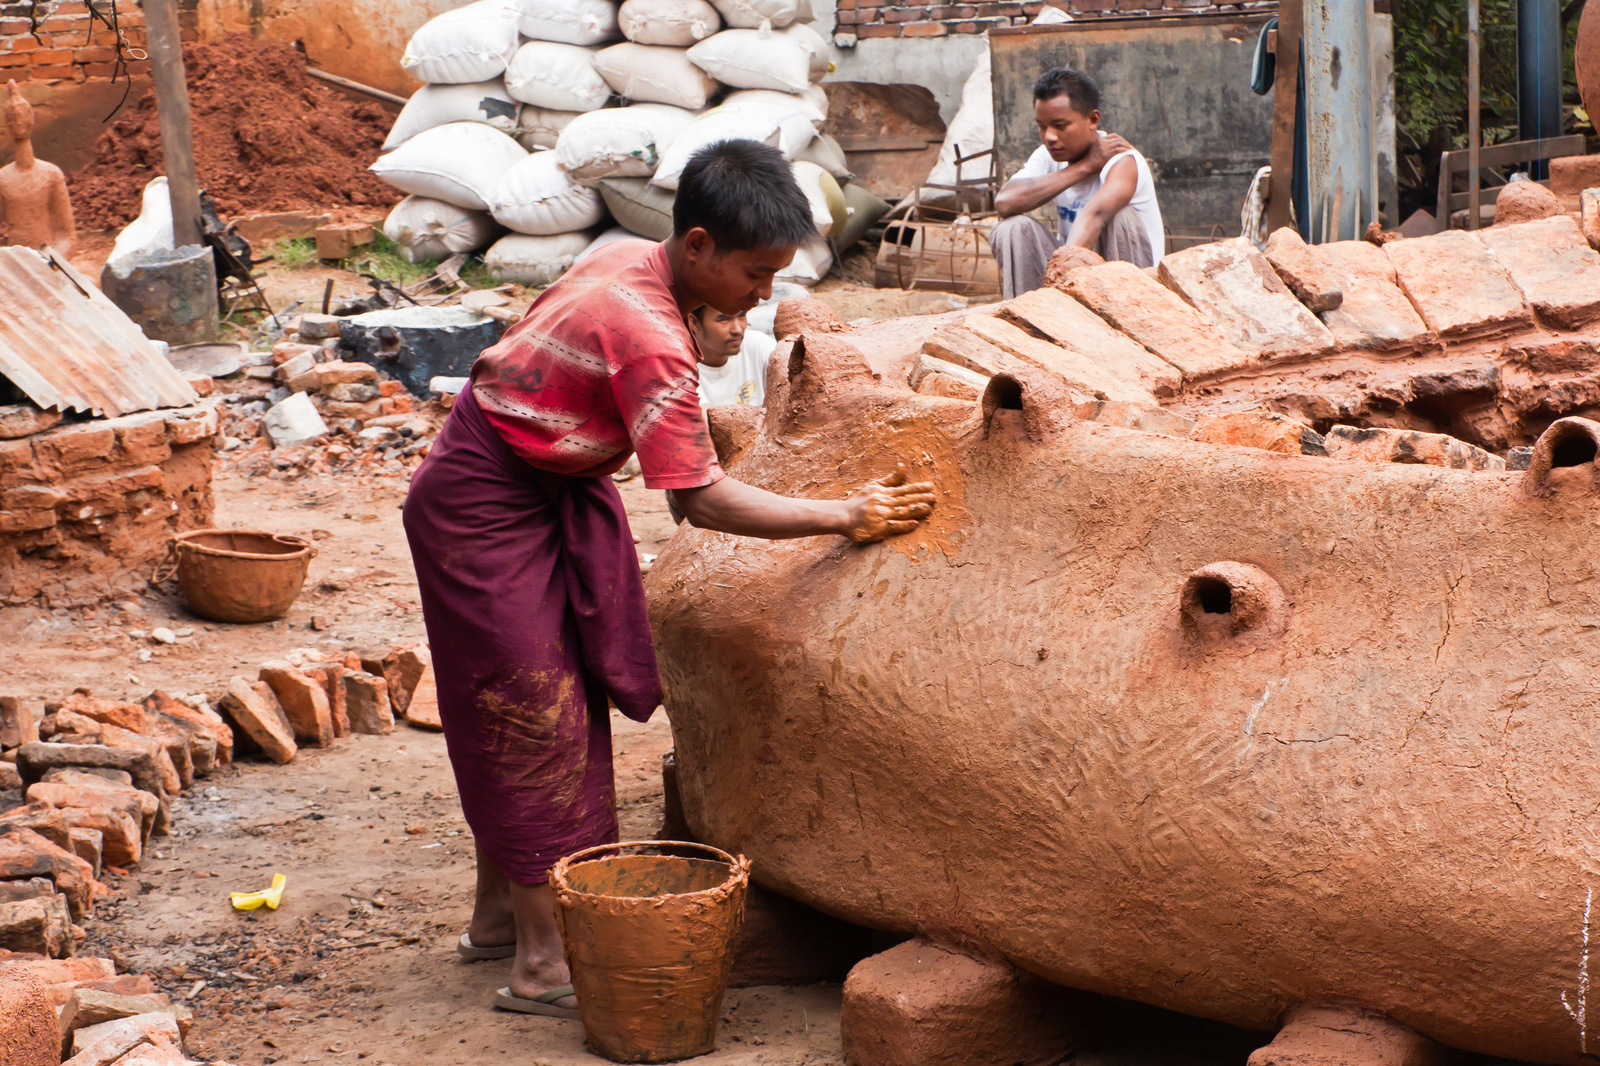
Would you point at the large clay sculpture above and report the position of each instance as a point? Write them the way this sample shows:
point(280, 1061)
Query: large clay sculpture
point(35, 210)
point(1209, 727)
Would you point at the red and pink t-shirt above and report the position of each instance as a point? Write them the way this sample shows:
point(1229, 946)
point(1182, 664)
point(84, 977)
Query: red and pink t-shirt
point(602, 366)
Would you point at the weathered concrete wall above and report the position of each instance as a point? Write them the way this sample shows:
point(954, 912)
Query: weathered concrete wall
point(87, 510)
point(358, 39)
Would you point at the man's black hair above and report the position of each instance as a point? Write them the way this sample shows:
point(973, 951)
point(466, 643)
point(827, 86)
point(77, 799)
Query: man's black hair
point(744, 194)
point(1075, 85)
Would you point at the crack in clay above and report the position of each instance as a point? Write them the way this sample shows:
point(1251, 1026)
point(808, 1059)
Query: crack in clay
point(1449, 616)
point(1580, 1014)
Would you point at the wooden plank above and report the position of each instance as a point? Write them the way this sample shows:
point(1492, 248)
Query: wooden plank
point(1082, 374)
point(1285, 89)
point(172, 111)
point(1071, 325)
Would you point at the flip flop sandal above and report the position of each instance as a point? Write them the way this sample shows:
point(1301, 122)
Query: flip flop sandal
point(473, 953)
point(544, 1003)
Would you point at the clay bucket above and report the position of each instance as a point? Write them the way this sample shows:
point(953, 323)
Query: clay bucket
point(649, 939)
point(241, 575)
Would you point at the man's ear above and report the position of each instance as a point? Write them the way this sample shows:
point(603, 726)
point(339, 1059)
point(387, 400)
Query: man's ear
point(1094, 118)
point(698, 245)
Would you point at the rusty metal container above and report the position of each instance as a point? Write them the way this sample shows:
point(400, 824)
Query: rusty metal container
point(241, 575)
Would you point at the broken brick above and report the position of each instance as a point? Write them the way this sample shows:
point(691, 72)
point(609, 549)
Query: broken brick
point(90, 1006)
point(1553, 265)
point(1408, 446)
point(1157, 318)
point(1260, 429)
point(18, 725)
point(424, 709)
point(402, 669)
point(1235, 287)
point(304, 703)
point(367, 702)
point(255, 710)
point(1301, 269)
point(1063, 320)
point(1456, 285)
point(25, 854)
point(331, 677)
point(209, 720)
point(40, 818)
point(122, 814)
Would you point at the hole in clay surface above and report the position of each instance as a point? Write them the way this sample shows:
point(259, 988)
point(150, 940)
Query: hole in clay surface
point(1215, 595)
point(1573, 449)
point(1007, 394)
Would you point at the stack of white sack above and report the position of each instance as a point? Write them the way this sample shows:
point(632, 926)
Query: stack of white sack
point(550, 117)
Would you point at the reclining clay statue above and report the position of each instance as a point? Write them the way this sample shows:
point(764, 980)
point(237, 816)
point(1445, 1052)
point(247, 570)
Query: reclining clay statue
point(34, 207)
point(1216, 729)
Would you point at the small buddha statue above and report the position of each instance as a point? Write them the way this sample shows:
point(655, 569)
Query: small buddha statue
point(34, 208)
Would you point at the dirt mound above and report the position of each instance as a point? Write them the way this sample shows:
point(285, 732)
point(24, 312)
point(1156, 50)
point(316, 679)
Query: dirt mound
point(267, 138)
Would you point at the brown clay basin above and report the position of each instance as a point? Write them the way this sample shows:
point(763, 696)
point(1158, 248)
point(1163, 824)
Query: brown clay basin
point(241, 575)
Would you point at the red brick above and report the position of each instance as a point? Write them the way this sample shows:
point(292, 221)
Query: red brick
point(905, 14)
point(966, 27)
point(53, 74)
point(954, 11)
point(7, 60)
point(11, 26)
point(45, 57)
point(103, 70)
point(852, 18)
point(878, 30)
point(97, 54)
point(924, 29)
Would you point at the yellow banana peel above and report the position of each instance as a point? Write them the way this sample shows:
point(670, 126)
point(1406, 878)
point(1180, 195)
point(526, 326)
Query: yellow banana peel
point(271, 897)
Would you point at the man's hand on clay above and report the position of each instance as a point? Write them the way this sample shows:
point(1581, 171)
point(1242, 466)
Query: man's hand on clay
point(889, 506)
point(1104, 148)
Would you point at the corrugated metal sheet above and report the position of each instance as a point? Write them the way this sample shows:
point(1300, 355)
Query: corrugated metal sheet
point(66, 346)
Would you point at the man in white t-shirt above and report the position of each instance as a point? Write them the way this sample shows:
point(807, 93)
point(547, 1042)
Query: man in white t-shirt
point(1104, 195)
point(733, 358)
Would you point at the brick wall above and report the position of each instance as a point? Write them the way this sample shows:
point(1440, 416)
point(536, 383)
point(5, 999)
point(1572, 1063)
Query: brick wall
point(87, 509)
point(70, 45)
point(887, 18)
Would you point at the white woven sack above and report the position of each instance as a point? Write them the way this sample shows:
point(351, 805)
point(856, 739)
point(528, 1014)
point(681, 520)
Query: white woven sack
point(750, 14)
point(459, 163)
point(819, 187)
point(821, 62)
point(434, 105)
point(557, 77)
point(610, 236)
point(472, 43)
point(535, 261)
point(755, 59)
point(432, 229)
point(537, 197)
point(673, 23)
point(813, 103)
point(809, 265)
point(540, 127)
point(795, 130)
point(619, 142)
point(647, 73)
point(570, 21)
point(787, 131)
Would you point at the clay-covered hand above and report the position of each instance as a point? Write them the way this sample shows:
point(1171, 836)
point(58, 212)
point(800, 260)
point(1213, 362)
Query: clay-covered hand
point(1104, 148)
point(889, 506)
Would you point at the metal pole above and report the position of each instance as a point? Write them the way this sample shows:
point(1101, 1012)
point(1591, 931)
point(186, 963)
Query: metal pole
point(1538, 74)
point(1474, 135)
point(1285, 91)
point(172, 109)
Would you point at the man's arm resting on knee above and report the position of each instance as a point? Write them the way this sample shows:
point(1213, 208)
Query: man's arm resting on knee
point(1115, 193)
point(1021, 195)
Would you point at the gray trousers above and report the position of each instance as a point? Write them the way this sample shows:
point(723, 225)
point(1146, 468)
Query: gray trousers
point(1023, 245)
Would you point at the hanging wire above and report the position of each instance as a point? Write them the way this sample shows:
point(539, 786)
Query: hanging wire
point(105, 12)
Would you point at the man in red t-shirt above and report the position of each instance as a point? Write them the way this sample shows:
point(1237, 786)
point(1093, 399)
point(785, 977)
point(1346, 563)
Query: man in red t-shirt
point(528, 575)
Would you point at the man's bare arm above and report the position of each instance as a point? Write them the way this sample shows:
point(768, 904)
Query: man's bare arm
point(1021, 195)
point(884, 508)
point(1112, 196)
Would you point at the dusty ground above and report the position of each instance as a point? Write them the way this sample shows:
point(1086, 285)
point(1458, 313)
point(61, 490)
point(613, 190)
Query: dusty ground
point(358, 963)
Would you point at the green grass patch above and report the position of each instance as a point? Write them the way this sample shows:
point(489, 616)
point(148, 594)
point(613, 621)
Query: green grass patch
point(296, 253)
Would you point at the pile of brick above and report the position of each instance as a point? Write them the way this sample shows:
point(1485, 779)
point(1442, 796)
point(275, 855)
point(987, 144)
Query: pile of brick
point(98, 775)
point(304, 700)
point(301, 408)
point(88, 508)
point(82, 1011)
point(1375, 351)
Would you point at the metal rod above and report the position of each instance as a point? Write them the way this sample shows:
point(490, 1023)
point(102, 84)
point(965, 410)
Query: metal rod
point(1474, 134)
point(1285, 92)
point(355, 86)
point(172, 110)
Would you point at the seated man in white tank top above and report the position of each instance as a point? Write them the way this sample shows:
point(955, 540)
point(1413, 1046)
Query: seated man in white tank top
point(1103, 192)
